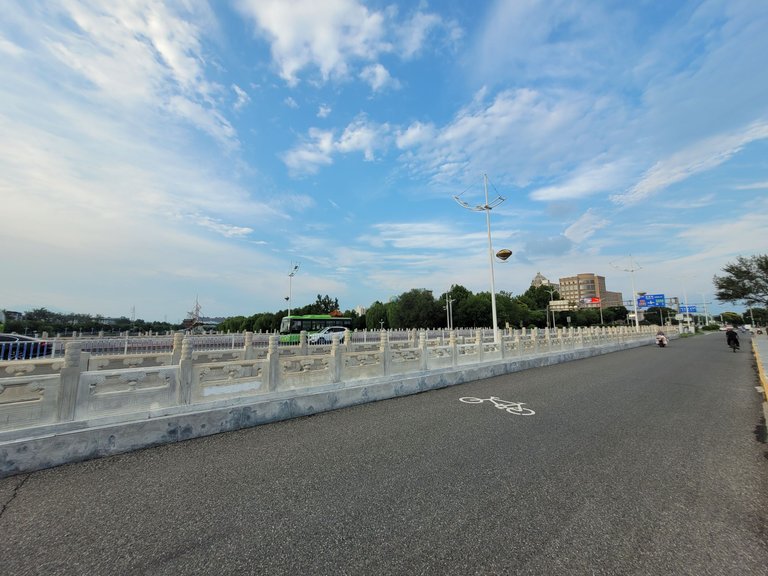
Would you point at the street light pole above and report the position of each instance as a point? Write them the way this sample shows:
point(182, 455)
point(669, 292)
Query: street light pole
point(631, 269)
point(290, 278)
point(551, 299)
point(487, 207)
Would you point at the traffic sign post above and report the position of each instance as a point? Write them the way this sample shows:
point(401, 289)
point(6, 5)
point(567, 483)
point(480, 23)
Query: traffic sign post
point(652, 301)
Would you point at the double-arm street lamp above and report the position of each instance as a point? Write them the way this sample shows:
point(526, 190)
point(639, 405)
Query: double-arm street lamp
point(631, 268)
point(294, 269)
point(487, 207)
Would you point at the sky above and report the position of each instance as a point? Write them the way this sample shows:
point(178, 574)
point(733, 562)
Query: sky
point(155, 153)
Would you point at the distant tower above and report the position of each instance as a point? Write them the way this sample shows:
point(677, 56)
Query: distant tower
point(193, 316)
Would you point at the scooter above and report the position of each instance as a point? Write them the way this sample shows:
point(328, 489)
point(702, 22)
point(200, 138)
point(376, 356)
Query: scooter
point(661, 341)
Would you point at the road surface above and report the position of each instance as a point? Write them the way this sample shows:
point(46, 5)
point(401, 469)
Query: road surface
point(648, 461)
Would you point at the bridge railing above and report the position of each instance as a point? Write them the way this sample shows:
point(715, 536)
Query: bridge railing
point(86, 386)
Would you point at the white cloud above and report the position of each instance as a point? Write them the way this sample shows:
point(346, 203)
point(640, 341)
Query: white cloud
point(363, 136)
point(589, 180)
point(417, 133)
point(585, 226)
point(414, 32)
point(9, 48)
point(318, 149)
point(699, 157)
point(290, 102)
point(242, 97)
point(226, 230)
point(325, 35)
point(378, 77)
point(334, 37)
point(323, 111)
point(753, 186)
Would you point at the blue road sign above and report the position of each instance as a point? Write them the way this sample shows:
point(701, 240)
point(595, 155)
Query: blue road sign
point(687, 309)
point(652, 301)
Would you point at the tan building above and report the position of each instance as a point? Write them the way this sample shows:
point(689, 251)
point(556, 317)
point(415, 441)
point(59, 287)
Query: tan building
point(588, 291)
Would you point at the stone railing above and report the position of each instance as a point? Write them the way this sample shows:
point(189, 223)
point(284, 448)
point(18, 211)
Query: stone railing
point(84, 387)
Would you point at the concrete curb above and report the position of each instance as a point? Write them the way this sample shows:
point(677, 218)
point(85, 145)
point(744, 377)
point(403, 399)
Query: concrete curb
point(762, 370)
point(47, 446)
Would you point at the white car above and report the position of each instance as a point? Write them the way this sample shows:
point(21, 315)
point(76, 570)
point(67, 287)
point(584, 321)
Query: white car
point(325, 336)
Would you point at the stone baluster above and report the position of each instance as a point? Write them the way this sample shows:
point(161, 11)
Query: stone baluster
point(178, 337)
point(70, 380)
point(185, 372)
point(336, 358)
point(452, 341)
point(249, 353)
point(423, 352)
point(273, 361)
point(385, 352)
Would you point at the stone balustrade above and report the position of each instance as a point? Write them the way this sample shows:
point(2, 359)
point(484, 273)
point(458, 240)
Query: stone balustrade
point(82, 387)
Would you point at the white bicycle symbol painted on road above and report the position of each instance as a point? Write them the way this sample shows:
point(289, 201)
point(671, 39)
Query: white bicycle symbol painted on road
point(511, 407)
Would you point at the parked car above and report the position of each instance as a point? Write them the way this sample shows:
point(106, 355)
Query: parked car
point(20, 347)
point(326, 335)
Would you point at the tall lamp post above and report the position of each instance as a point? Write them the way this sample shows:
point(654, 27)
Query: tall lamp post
point(551, 299)
point(487, 207)
point(294, 269)
point(449, 311)
point(633, 266)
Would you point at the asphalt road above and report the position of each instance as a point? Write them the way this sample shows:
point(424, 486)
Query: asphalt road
point(647, 462)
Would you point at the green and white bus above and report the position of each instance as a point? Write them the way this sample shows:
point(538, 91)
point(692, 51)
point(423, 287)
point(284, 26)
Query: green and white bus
point(292, 326)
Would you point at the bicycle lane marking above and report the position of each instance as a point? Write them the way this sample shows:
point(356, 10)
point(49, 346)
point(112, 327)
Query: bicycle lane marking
point(508, 406)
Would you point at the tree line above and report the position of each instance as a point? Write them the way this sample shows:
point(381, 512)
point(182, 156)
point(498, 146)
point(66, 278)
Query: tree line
point(744, 281)
point(42, 320)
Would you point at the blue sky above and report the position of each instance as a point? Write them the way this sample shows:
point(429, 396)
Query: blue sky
point(157, 152)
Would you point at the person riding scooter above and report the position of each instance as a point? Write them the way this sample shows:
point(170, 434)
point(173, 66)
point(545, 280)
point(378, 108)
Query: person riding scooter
point(661, 339)
point(732, 339)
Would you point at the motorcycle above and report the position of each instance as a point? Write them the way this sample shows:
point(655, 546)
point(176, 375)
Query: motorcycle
point(661, 341)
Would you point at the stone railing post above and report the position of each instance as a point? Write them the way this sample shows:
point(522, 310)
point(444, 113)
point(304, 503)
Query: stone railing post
point(423, 352)
point(185, 372)
point(386, 358)
point(479, 345)
point(273, 358)
point(70, 380)
point(337, 358)
point(452, 340)
point(248, 352)
point(303, 343)
point(178, 337)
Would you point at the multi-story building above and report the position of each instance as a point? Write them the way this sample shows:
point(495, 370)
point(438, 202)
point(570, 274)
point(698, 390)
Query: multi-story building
point(588, 291)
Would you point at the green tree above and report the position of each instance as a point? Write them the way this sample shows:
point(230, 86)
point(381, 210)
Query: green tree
point(745, 280)
point(474, 312)
point(323, 305)
point(538, 297)
point(374, 315)
point(416, 308)
point(732, 318)
point(511, 311)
